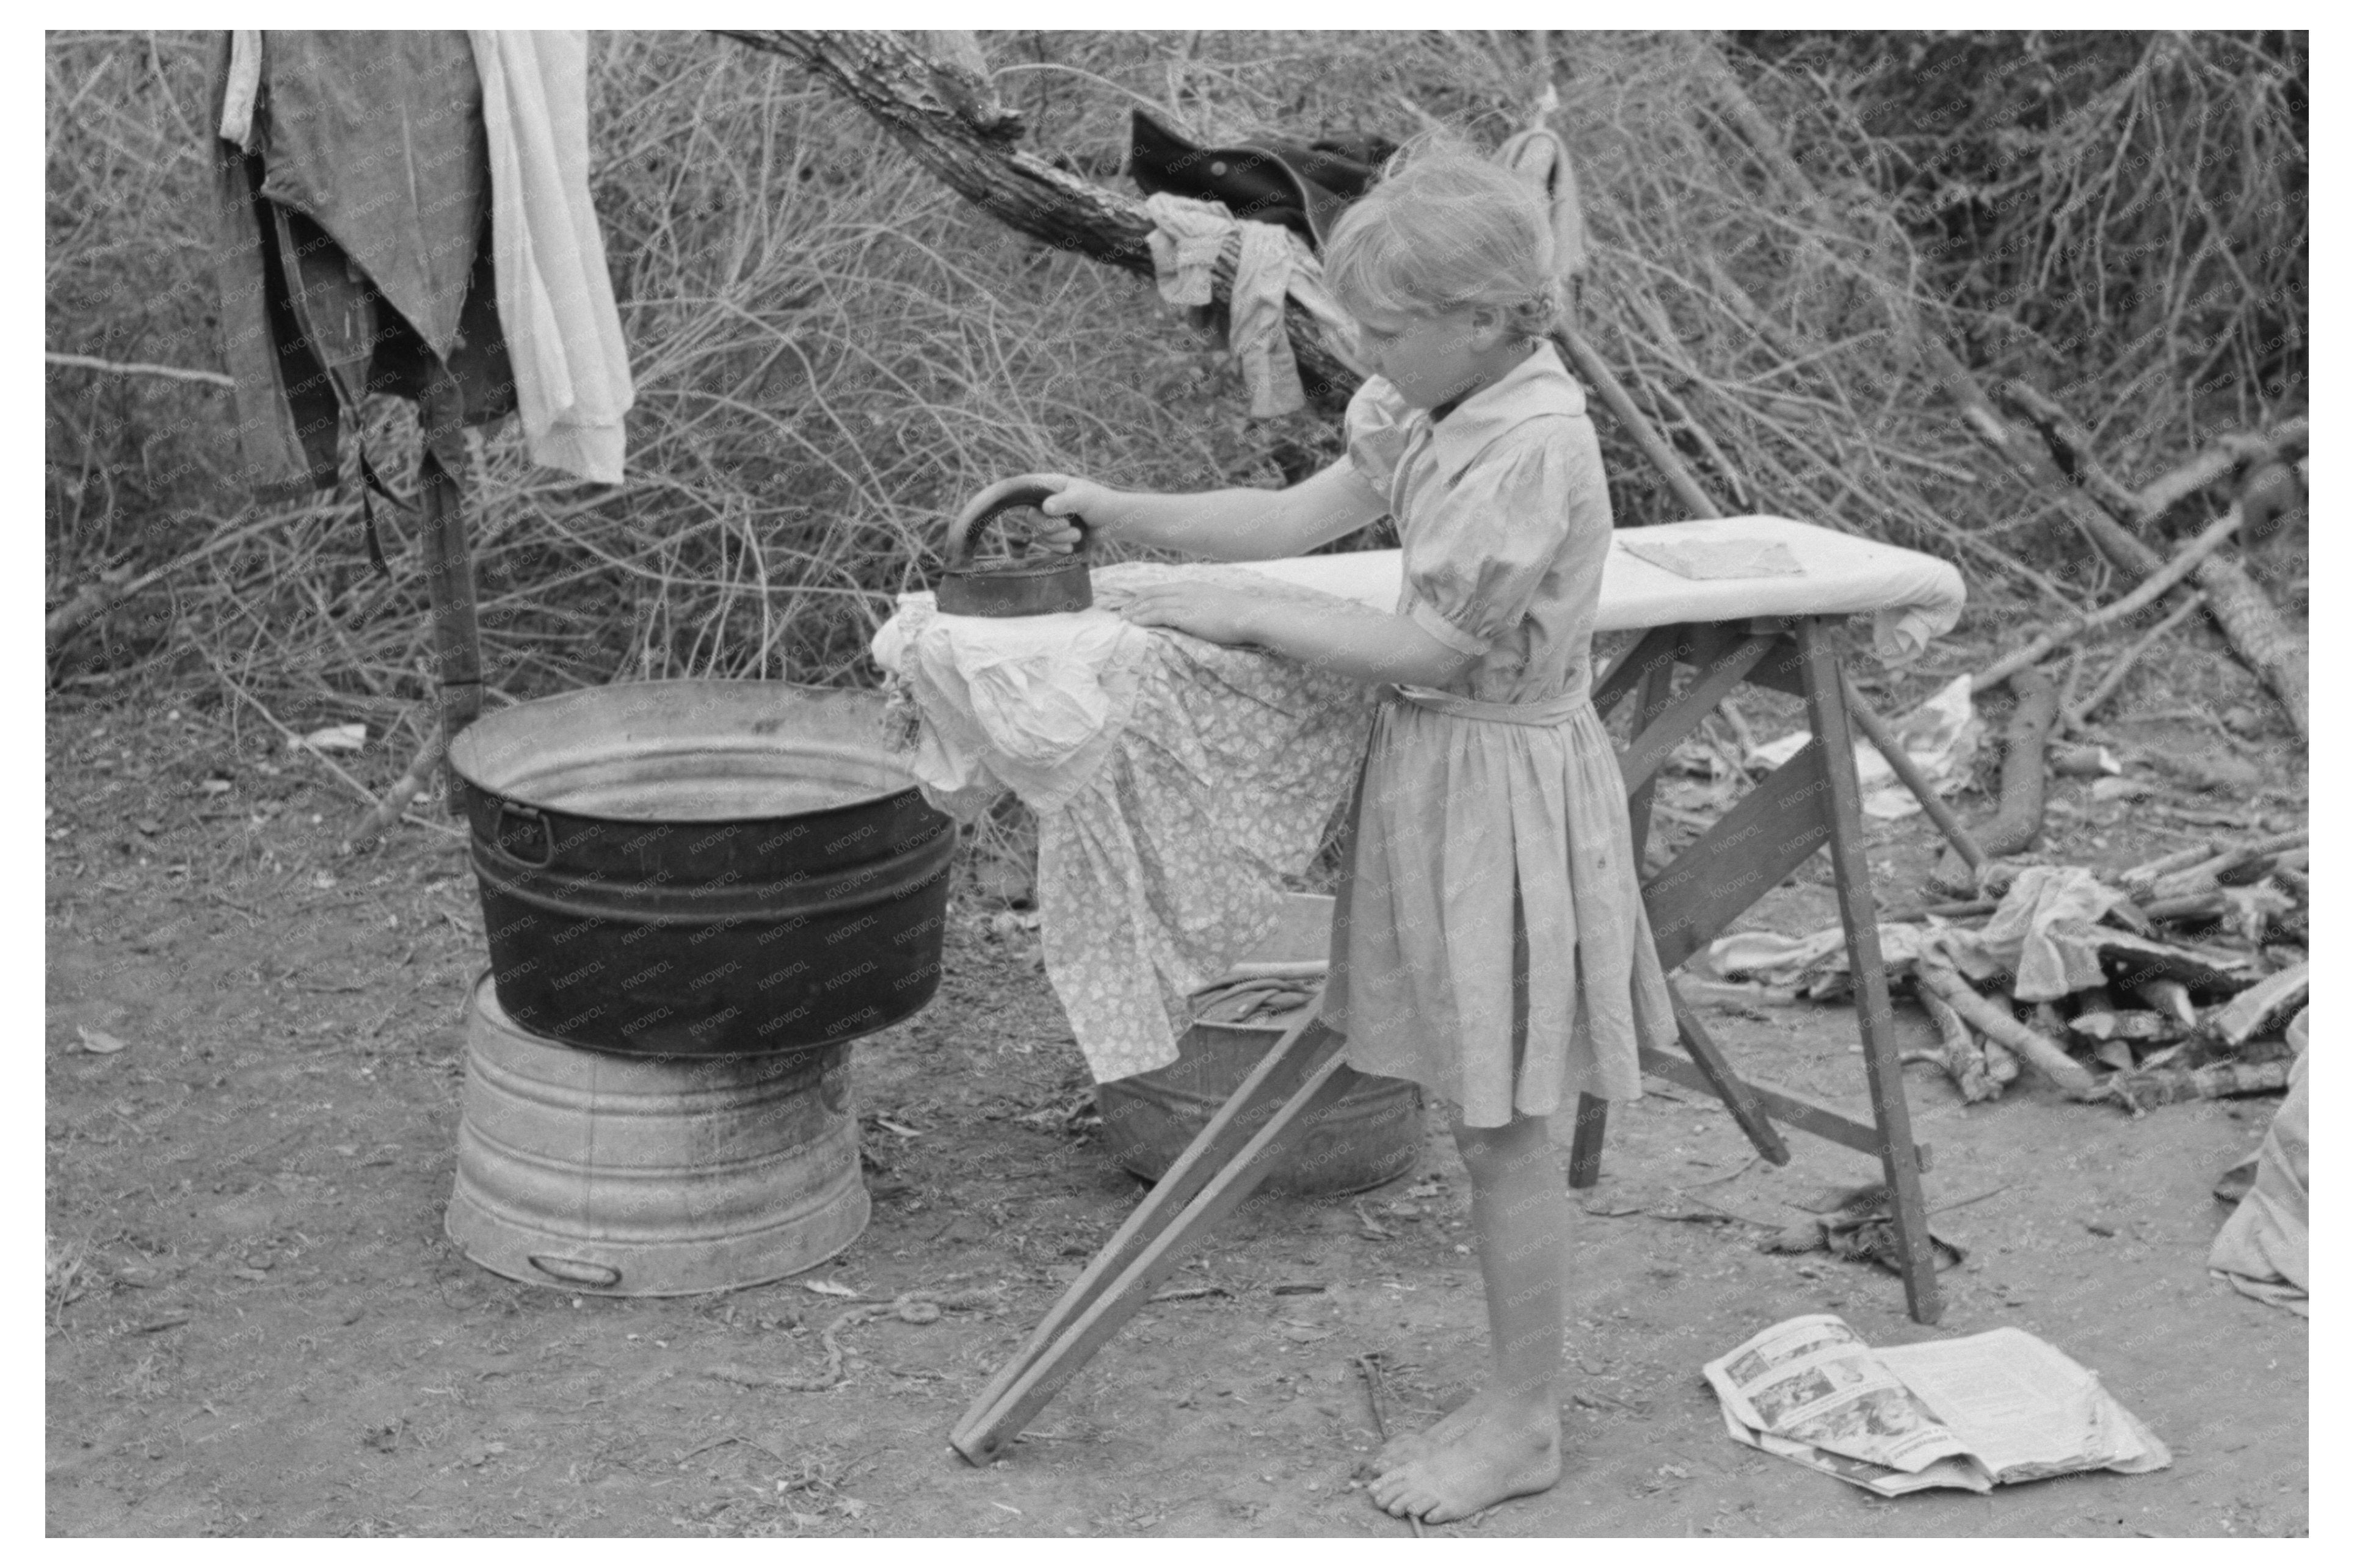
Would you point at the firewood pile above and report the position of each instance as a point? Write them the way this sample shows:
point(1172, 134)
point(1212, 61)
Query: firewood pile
point(2174, 979)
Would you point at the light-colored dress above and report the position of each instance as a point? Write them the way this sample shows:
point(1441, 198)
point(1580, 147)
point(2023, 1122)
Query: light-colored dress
point(1489, 943)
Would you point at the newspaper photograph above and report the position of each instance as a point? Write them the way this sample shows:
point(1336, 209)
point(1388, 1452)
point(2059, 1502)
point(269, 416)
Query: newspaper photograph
point(1811, 1381)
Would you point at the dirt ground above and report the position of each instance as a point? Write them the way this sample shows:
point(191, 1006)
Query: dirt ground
point(256, 1325)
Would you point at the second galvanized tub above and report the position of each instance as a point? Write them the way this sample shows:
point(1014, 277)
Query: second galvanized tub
point(694, 868)
point(1371, 1136)
point(594, 1172)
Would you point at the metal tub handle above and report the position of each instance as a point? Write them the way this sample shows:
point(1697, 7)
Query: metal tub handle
point(538, 819)
point(576, 1270)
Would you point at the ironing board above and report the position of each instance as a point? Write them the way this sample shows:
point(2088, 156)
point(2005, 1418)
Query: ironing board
point(1772, 630)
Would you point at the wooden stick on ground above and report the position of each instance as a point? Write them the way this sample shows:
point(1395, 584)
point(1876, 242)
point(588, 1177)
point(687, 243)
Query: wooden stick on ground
point(1962, 1057)
point(1994, 1021)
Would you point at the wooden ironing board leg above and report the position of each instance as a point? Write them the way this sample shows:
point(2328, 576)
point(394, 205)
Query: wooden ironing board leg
point(1747, 1113)
point(1036, 1377)
point(1298, 1052)
point(1585, 1140)
point(1826, 712)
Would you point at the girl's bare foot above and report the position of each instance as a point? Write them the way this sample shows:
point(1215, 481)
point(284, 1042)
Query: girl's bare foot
point(1505, 1448)
point(1410, 1445)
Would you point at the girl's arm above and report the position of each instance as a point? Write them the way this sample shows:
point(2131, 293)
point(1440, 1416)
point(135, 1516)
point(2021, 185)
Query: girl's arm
point(1223, 525)
point(1341, 635)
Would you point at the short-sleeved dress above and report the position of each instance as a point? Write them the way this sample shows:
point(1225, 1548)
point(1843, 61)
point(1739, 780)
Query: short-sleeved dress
point(1489, 943)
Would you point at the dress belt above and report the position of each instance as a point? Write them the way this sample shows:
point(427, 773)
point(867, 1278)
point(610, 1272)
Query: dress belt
point(1542, 713)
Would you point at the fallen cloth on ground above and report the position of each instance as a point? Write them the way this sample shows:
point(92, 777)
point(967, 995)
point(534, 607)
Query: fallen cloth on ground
point(2043, 934)
point(1941, 737)
point(2262, 1250)
point(1177, 783)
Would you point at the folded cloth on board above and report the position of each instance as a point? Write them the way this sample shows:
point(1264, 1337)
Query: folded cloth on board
point(1177, 783)
point(1700, 562)
point(556, 298)
point(1912, 598)
point(1270, 262)
point(2262, 1250)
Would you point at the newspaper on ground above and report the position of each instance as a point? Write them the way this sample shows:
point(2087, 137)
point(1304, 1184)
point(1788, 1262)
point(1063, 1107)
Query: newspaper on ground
point(1975, 1413)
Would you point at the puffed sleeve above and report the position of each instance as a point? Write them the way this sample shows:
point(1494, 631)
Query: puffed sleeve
point(1483, 552)
point(1375, 430)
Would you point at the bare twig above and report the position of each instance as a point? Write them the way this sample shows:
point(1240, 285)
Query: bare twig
point(2185, 561)
point(110, 367)
point(2076, 717)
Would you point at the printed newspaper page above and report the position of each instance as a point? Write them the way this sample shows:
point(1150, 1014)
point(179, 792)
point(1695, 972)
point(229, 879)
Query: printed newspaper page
point(1811, 1381)
point(2022, 1408)
point(1973, 1413)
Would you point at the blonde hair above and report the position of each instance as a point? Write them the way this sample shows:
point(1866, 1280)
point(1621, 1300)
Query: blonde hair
point(1443, 230)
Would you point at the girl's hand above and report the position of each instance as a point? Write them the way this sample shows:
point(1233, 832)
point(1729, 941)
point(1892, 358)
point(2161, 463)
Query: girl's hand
point(1097, 503)
point(1206, 610)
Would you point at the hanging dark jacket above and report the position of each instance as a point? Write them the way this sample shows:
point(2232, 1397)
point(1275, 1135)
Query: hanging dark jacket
point(354, 250)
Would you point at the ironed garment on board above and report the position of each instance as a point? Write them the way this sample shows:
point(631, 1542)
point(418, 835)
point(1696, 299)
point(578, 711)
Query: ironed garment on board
point(1177, 785)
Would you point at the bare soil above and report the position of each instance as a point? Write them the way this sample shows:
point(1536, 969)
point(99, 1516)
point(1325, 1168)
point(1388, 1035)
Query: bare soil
point(256, 1327)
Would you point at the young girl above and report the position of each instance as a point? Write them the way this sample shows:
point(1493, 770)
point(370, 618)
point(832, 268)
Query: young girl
point(1489, 941)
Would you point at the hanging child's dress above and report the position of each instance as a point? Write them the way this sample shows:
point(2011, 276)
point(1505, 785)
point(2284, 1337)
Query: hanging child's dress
point(1491, 944)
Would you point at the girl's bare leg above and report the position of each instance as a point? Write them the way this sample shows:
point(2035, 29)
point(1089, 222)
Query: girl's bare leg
point(1507, 1439)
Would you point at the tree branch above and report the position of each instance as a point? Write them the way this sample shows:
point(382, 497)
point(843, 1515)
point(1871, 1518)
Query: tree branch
point(948, 118)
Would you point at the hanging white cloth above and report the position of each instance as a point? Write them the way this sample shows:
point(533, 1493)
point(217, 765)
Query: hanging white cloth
point(556, 299)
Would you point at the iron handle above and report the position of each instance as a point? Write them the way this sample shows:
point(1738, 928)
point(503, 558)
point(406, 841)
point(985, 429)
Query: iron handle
point(1023, 490)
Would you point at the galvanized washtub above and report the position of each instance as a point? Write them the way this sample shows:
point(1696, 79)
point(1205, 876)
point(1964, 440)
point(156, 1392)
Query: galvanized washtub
point(594, 1172)
point(697, 868)
point(1371, 1135)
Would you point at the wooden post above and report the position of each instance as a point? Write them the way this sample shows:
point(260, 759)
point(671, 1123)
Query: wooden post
point(449, 562)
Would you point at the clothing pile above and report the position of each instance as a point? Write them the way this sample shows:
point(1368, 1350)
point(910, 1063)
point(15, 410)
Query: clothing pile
point(1177, 785)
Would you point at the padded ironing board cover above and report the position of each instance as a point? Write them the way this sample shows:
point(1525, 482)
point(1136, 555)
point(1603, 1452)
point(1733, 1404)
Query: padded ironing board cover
point(1912, 598)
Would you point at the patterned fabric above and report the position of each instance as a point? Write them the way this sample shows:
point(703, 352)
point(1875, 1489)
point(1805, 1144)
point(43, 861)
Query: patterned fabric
point(1166, 832)
point(1482, 845)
